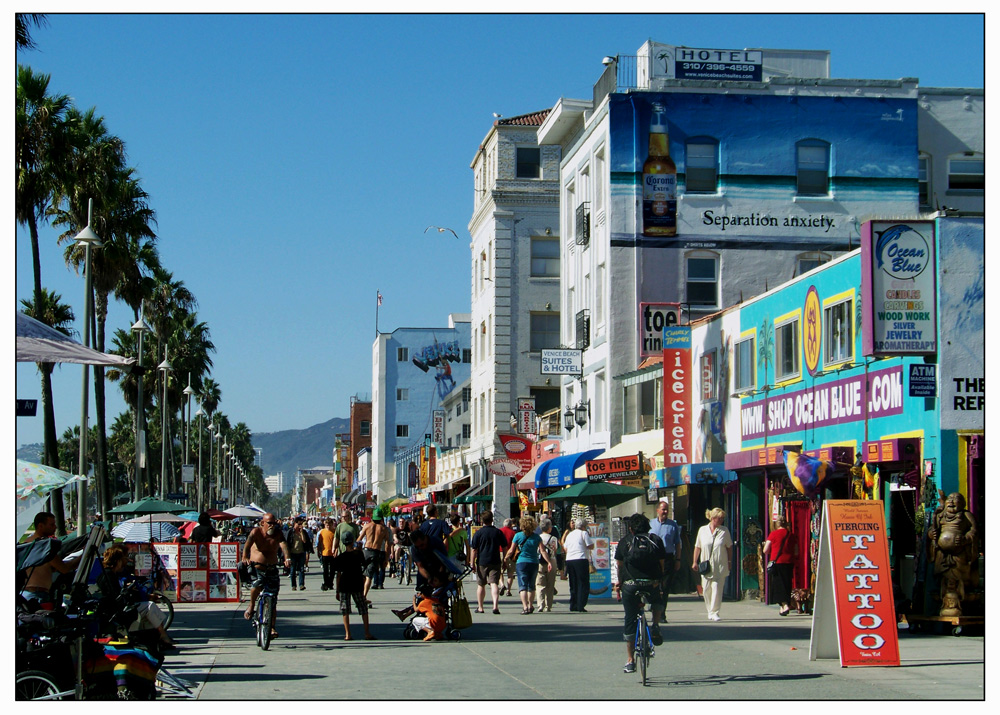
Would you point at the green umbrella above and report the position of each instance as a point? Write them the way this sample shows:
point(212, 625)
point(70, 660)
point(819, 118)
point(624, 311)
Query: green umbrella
point(596, 494)
point(149, 505)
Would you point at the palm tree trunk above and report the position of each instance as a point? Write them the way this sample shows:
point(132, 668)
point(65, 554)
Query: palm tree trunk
point(50, 451)
point(36, 261)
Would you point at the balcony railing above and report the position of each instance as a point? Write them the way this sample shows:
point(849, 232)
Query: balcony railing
point(583, 224)
point(583, 329)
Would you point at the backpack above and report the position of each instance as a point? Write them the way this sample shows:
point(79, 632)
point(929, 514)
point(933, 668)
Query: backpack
point(642, 555)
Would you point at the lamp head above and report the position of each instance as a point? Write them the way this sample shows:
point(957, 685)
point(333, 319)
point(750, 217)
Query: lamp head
point(568, 419)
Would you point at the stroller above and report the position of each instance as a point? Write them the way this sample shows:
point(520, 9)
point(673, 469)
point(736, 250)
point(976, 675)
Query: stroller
point(450, 594)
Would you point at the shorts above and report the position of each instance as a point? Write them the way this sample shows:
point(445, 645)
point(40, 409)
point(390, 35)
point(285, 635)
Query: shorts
point(527, 572)
point(359, 601)
point(265, 577)
point(490, 573)
point(375, 561)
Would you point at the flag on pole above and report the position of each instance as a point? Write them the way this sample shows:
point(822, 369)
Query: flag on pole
point(379, 297)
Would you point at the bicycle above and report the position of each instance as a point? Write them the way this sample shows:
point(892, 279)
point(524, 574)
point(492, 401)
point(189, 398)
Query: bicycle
point(263, 620)
point(643, 637)
point(405, 568)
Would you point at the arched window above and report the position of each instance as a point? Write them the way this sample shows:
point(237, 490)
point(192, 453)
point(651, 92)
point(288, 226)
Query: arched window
point(812, 167)
point(701, 165)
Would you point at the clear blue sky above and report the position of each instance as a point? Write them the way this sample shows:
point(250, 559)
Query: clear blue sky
point(294, 162)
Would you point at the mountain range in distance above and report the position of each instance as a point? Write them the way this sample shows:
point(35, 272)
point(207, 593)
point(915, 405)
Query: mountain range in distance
point(284, 451)
point(289, 450)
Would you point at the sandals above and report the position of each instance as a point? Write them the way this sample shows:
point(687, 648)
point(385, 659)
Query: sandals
point(479, 610)
point(525, 611)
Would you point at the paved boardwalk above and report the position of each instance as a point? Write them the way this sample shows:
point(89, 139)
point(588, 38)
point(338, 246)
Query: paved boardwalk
point(751, 654)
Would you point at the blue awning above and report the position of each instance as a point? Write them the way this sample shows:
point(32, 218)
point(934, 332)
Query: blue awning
point(558, 472)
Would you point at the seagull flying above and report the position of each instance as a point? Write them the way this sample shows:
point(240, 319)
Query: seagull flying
point(441, 230)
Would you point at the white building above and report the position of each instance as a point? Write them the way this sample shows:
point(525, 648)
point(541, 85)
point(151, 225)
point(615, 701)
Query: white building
point(777, 165)
point(515, 279)
point(279, 483)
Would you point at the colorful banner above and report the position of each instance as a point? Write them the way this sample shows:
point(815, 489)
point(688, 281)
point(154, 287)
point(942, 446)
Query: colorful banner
point(517, 449)
point(677, 374)
point(828, 403)
point(192, 572)
point(898, 288)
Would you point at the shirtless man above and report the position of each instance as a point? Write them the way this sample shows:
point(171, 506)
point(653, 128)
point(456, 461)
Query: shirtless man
point(261, 552)
point(376, 537)
point(40, 577)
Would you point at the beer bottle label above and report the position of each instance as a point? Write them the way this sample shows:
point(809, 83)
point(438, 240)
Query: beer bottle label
point(659, 201)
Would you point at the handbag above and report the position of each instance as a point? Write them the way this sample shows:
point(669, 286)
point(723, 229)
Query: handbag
point(461, 614)
point(771, 566)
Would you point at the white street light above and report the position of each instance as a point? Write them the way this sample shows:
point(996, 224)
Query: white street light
point(199, 414)
point(140, 328)
point(165, 368)
point(88, 239)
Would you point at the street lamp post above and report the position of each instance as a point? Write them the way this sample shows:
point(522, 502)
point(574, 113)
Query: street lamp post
point(165, 368)
point(187, 427)
point(222, 471)
point(140, 328)
point(201, 505)
point(89, 240)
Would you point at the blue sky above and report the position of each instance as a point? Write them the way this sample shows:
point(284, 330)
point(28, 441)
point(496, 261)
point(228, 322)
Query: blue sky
point(294, 162)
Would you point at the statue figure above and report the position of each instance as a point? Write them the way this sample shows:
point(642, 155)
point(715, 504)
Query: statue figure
point(952, 549)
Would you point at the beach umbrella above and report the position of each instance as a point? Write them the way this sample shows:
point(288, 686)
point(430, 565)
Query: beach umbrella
point(219, 515)
point(154, 518)
point(596, 494)
point(244, 512)
point(39, 479)
point(139, 531)
point(189, 515)
point(37, 342)
point(149, 505)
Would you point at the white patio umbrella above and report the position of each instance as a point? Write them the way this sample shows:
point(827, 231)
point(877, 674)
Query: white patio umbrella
point(37, 342)
point(245, 512)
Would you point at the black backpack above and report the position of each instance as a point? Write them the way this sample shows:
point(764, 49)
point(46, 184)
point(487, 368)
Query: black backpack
point(642, 555)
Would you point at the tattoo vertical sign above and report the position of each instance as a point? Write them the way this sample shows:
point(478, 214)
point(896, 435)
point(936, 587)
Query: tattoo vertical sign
point(677, 371)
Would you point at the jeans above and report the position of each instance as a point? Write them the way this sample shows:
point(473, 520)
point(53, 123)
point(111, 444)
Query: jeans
point(578, 571)
point(630, 601)
point(328, 571)
point(526, 574)
point(298, 568)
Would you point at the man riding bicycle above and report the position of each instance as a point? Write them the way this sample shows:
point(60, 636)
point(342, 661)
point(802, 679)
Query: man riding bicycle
point(640, 558)
point(260, 552)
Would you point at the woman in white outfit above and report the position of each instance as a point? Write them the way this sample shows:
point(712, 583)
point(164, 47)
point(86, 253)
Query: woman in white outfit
point(715, 542)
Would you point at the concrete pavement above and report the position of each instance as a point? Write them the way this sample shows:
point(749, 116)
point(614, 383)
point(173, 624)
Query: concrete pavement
point(752, 654)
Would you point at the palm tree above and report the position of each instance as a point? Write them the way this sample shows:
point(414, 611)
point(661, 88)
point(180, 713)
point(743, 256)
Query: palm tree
point(96, 170)
point(56, 314)
point(22, 36)
point(39, 145)
point(765, 345)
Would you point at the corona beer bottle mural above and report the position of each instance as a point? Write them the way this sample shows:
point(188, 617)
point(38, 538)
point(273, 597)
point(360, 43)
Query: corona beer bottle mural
point(659, 180)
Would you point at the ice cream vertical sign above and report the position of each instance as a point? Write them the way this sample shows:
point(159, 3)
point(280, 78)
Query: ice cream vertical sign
point(677, 371)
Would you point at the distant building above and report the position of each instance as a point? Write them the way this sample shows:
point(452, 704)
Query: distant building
point(279, 483)
point(413, 370)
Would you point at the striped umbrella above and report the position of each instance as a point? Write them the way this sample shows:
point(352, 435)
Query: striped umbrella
point(136, 531)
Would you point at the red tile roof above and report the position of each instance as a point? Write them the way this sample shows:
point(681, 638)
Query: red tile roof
point(534, 119)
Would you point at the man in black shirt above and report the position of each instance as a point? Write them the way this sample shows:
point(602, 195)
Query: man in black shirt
point(488, 545)
point(204, 532)
point(640, 558)
point(432, 526)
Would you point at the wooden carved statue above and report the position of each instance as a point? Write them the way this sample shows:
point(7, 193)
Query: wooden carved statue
point(952, 549)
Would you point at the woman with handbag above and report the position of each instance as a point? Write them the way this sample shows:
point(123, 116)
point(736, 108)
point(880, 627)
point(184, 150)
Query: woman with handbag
point(526, 553)
point(716, 543)
point(579, 546)
point(780, 551)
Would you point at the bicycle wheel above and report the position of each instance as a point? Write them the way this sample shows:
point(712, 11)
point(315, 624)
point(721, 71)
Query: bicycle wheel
point(642, 649)
point(35, 685)
point(166, 605)
point(266, 621)
point(404, 564)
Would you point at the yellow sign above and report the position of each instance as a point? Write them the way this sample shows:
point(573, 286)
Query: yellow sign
point(812, 330)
